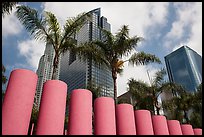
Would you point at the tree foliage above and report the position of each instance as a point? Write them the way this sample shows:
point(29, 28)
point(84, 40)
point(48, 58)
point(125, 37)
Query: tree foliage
point(7, 7)
point(45, 27)
point(112, 48)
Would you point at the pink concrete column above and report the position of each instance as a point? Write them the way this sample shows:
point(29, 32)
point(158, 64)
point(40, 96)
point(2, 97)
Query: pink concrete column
point(18, 102)
point(125, 120)
point(160, 125)
point(104, 116)
point(187, 129)
point(80, 113)
point(143, 122)
point(197, 131)
point(174, 127)
point(52, 108)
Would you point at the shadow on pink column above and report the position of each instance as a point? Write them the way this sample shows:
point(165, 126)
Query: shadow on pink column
point(187, 129)
point(174, 127)
point(160, 125)
point(80, 113)
point(125, 120)
point(18, 102)
point(143, 122)
point(104, 116)
point(197, 131)
point(52, 108)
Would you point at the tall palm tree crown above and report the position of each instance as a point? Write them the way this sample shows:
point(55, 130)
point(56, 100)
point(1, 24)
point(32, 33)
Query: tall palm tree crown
point(111, 50)
point(146, 96)
point(7, 7)
point(46, 27)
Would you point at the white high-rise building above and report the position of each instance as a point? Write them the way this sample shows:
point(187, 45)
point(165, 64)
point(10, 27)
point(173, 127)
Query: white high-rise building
point(44, 71)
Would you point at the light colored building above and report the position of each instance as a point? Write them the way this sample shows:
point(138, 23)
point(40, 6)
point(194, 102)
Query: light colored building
point(44, 71)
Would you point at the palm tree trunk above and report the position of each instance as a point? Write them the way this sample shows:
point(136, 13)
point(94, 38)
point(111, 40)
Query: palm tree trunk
point(55, 66)
point(186, 116)
point(157, 108)
point(114, 76)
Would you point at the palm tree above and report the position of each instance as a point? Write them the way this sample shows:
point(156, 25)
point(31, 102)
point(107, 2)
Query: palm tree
point(112, 49)
point(48, 29)
point(147, 95)
point(96, 91)
point(140, 93)
point(4, 79)
point(196, 115)
point(7, 7)
point(186, 107)
point(33, 119)
point(180, 106)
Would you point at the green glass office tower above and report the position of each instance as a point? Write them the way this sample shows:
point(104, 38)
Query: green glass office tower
point(184, 66)
point(78, 74)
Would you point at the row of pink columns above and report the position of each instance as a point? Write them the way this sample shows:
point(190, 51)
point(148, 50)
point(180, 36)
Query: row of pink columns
point(18, 102)
point(122, 120)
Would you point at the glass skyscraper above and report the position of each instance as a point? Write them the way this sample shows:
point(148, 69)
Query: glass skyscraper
point(77, 73)
point(184, 66)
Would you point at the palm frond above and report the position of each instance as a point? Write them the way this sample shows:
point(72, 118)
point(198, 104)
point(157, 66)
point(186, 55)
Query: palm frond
point(124, 44)
point(108, 38)
point(69, 44)
point(137, 87)
point(159, 77)
point(88, 50)
point(32, 21)
point(142, 58)
point(53, 27)
point(73, 24)
point(7, 7)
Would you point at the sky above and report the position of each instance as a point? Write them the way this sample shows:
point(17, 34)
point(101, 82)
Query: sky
point(165, 26)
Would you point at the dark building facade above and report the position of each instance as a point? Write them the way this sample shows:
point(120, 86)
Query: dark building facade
point(184, 66)
point(77, 73)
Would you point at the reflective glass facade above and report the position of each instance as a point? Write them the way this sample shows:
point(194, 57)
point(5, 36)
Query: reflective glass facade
point(76, 73)
point(184, 66)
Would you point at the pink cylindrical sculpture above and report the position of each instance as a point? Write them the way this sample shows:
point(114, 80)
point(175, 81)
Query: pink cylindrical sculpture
point(52, 108)
point(104, 116)
point(197, 131)
point(18, 102)
point(160, 125)
point(187, 129)
point(174, 127)
point(143, 122)
point(125, 120)
point(80, 113)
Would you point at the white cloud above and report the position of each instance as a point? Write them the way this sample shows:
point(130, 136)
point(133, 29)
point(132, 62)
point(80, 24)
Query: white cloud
point(32, 51)
point(137, 15)
point(11, 25)
point(189, 15)
point(139, 72)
